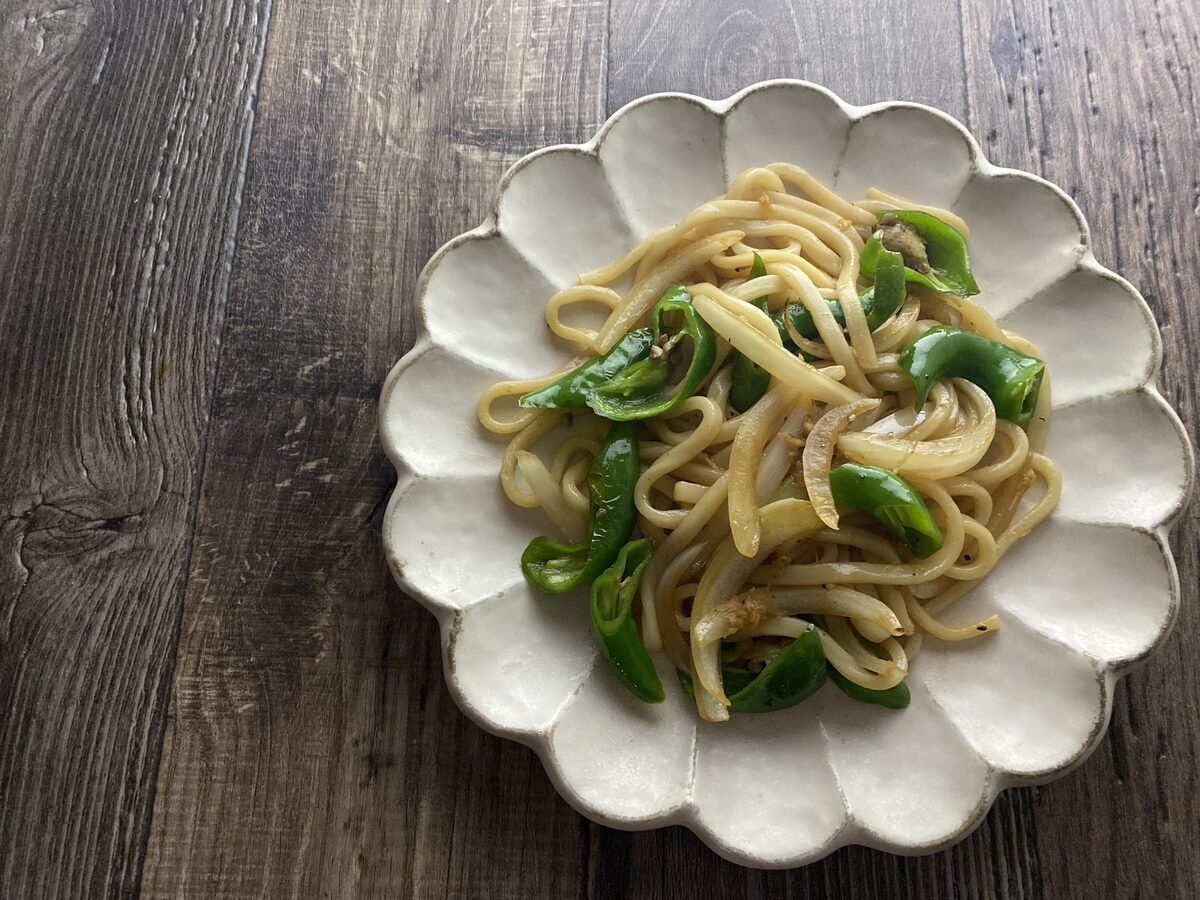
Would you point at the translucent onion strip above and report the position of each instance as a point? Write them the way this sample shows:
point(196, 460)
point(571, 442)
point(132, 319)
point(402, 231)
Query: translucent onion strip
point(818, 456)
point(770, 355)
point(751, 609)
point(940, 458)
point(723, 576)
point(748, 445)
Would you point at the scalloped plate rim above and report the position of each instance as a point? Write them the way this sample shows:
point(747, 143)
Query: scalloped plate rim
point(850, 832)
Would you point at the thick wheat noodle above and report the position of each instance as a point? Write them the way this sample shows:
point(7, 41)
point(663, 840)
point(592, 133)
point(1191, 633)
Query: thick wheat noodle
point(579, 294)
point(879, 573)
point(501, 389)
point(646, 292)
point(895, 332)
point(744, 258)
point(981, 498)
point(723, 214)
point(859, 330)
point(688, 493)
point(685, 532)
point(693, 443)
point(525, 439)
point(568, 450)
point(990, 475)
point(809, 251)
point(752, 183)
point(842, 226)
point(549, 496)
point(574, 480)
point(822, 602)
point(841, 629)
point(826, 325)
point(712, 479)
point(819, 193)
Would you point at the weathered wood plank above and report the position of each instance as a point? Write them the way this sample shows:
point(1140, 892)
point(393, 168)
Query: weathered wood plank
point(314, 749)
point(1106, 104)
point(863, 52)
point(122, 140)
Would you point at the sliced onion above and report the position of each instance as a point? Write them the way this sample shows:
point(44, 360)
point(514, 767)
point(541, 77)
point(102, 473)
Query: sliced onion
point(723, 577)
point(818, 455)
point(716, 307)
point(940, 458)
point(756, 612)
point(901, 422)
point(747, 610)
point(916, 425)
point(780, 454)
point(835, 601)
point(745, 455)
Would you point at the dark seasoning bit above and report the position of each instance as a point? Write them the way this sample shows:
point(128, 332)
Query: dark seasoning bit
point(903, 238)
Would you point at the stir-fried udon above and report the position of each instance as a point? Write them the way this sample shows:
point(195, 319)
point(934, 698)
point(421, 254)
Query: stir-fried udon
point(792, 443)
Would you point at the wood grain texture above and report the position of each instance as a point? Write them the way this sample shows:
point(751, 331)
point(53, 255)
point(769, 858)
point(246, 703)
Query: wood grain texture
point(313, 748)
point(1108, 106)
point(122, 140)
point(190, 454)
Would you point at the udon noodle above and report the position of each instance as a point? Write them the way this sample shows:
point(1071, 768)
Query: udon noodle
point(750, 549)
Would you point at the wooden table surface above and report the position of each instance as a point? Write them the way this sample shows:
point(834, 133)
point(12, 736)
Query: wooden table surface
point(212, 218)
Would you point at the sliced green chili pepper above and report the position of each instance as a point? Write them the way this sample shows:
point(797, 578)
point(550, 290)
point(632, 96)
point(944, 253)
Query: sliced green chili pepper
point(935, 256)
point(612, 620)
point(750, 380)
point(891, 500)
point(571, 390)
point(896, 697)
point(645, 388)
point(879, 302)
point(1009, 377)
point(793, 675)
point(557, 567)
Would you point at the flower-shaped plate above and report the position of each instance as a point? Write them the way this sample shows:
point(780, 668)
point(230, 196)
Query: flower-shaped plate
point(1090, 595)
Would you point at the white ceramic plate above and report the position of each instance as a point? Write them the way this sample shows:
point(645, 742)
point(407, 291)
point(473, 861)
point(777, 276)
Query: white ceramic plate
point(1092, 594)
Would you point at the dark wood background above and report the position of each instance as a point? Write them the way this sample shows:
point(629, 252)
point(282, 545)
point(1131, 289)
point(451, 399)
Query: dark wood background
point(212, 217)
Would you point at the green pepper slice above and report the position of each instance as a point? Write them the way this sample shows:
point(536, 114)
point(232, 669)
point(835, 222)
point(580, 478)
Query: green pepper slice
point(793, 675)
point(557, 567)
point(571, 390)
point(645, 388)
point(897, 697)
point(750, 380)
point(879, 302)
point(613, 621)
point(941, 255)
point(891, 500)
point(1009, 377)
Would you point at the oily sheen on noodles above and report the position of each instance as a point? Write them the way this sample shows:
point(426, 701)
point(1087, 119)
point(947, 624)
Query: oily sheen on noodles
point(790, 444)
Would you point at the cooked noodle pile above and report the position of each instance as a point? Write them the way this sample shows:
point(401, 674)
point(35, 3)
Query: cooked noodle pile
point(750, 549)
